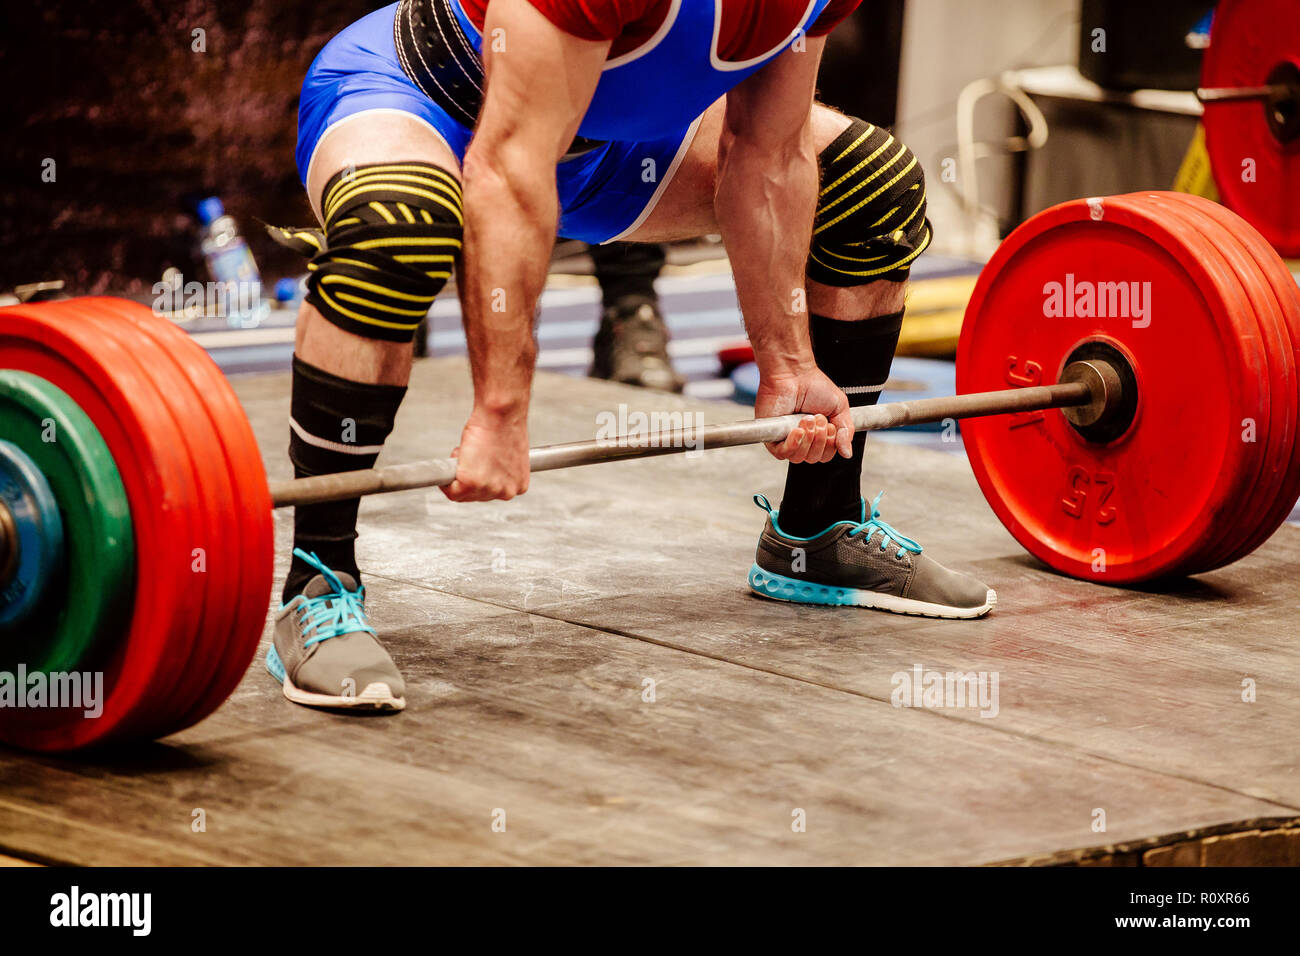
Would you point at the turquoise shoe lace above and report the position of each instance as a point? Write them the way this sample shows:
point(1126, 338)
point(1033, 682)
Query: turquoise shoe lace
point(868, 527)
point(888, 535)
point(334, 613)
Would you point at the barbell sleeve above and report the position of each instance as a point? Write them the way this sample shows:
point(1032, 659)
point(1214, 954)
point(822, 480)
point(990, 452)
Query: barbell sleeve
point(1240, 94)
point(442, 471)
point(8, 544)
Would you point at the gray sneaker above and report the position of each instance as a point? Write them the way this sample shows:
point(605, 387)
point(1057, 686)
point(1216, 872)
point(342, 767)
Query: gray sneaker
point(324, 652)
point(864, 564)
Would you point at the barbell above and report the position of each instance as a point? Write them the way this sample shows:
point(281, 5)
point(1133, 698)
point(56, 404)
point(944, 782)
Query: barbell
point(1089, 387)
point(1250, 88)
point(1127, 385)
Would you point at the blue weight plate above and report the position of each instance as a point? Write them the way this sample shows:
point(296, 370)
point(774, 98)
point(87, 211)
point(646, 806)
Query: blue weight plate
point(37, 531)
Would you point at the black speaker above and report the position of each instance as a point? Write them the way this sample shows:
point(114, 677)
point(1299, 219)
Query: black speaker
point(859, 71)
point(1140, 44)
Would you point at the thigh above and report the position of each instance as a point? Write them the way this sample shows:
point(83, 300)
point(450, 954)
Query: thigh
point(685, 208)
point(375, 136)
point(358, 106)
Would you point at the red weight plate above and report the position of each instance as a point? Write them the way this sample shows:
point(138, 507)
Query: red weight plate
point(1209, 241)
point(1151, 498)
point(731, 356)
point(179, 674)
point(1258, 174)
point(1276, 449)
point(227, 651)
point(1288, 297)
point(244, 483)
point(217, 525)
point(1230, 264)
point(106, 381)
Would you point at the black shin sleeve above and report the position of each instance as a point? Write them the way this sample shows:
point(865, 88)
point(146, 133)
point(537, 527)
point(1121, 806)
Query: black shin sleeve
point(856, 356)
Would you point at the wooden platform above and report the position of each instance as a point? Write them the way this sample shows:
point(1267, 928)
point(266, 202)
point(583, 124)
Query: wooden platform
point(528, 631)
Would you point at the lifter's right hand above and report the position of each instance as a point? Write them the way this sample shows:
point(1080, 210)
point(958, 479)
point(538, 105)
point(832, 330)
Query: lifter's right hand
point(827, 429)
point(492, 458)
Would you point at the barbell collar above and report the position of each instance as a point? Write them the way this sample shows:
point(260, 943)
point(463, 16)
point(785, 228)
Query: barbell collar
point(1088, 390)
point(8, 544)
point(1104, 386)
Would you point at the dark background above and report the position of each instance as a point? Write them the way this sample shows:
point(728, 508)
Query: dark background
point(140, 125)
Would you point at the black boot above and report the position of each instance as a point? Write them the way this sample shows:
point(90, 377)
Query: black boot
point(631, 346)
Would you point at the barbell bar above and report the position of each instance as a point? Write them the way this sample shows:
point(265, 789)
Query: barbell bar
point(1088, 388)
point(1092, 384)
point(1243, 94)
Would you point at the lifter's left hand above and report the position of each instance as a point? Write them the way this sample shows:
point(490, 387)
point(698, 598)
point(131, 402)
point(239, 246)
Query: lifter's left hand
point(826, 430)
point(492, 458)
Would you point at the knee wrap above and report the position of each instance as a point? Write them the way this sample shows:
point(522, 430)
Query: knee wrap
point(870, 221)
point(392, 235)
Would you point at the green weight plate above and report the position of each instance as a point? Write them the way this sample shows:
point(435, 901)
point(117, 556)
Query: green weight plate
point(90, 601)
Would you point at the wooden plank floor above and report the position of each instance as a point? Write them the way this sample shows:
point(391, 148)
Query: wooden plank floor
point(528, 630)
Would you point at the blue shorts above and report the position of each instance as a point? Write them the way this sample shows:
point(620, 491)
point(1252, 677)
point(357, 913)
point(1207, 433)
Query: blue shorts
point(604, 193)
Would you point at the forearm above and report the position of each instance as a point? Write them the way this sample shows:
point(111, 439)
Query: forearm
point(766, 198)
point(510, 222)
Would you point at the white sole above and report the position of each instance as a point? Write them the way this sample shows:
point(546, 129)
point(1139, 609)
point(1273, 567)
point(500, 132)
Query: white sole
point(375, 697)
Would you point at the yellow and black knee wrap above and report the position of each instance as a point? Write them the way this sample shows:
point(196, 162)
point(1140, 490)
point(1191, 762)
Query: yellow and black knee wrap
point(870, 221)
point(392, 236)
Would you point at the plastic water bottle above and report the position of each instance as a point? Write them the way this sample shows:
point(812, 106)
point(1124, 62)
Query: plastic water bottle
point(230, 261)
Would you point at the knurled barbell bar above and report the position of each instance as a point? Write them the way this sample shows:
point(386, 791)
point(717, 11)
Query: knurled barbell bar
point(1240, 94)
point(1090, 388)
point(1089, 392)
point(1160, 326)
